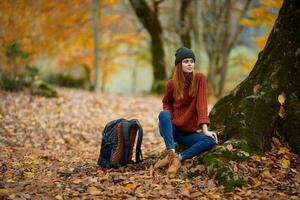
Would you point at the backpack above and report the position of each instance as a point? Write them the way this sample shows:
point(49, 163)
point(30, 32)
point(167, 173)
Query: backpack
point(118, 138)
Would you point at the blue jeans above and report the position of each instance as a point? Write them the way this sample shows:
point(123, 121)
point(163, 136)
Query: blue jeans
point(195, 142)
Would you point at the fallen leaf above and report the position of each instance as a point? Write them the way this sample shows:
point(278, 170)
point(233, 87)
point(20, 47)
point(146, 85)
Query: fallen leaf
point(283, 150)
point(267, 174)
point(276, 141)
point(211, 183)
point(58, 197)
point(282, 98)
point(229, 147)
point(130, 186)
point(151, 170)
point(248, 193)
point(256, 89)
point(256, 158)
point(281, 112)
point(257, 184)
point(195, 194)
point(77, 181)
point(4, 192)
point(94, 191)
point(285, 163)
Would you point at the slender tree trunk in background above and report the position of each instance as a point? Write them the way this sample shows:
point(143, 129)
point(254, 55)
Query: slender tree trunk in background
point(134, 79)
point(96, 23)
point(185, 22)
point(219, 38)
point(196, 32)
point(225, 48)
point(250, 111)
point(149, 18)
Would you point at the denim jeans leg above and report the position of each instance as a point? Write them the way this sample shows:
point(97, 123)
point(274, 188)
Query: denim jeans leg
point(195, 142)
point(166, 129)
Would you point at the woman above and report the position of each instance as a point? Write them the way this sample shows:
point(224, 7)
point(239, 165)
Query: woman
point(184, 112)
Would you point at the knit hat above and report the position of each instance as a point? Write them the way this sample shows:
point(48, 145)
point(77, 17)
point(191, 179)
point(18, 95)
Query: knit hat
point(183, 53)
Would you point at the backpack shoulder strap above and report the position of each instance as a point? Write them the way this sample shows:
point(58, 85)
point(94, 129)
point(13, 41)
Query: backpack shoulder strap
point(138, 152)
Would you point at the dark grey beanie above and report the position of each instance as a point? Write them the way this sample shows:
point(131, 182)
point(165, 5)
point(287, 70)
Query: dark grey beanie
point(183, 53)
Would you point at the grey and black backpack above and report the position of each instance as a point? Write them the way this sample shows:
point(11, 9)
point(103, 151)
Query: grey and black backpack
point(118, 141)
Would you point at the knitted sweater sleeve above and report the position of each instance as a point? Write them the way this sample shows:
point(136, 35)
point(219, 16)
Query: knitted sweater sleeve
point(168, 98)
point(202, 101)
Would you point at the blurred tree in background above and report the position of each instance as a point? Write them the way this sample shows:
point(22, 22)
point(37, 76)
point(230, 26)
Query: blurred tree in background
point(59, 37)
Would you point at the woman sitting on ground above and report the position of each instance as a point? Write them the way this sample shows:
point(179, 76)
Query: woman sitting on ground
point(184, 113)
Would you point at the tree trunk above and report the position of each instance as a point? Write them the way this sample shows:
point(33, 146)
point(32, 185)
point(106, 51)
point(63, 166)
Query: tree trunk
point(185, 24)
point(250, 111)
point(220, 37)
point(225, 48)
point(96, 20)
point(149, 19)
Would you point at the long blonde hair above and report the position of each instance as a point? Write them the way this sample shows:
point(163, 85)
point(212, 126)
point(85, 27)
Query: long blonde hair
point(179, 79)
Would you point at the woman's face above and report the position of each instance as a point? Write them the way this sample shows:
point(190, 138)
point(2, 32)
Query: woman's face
point(188, 65)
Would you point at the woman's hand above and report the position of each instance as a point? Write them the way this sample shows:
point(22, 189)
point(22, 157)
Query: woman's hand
point(211, 134)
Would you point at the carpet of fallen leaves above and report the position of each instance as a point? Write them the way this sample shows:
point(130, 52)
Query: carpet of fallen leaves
point(49, 149)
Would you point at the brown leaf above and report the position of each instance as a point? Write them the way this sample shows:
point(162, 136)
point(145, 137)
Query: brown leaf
point(256, 89)
point(211, 183)
point(59, 197)
point(151, 170)
point(94, 191)
point(281, 112)
point(196, 194)
point(276, 141)
point(4, 192)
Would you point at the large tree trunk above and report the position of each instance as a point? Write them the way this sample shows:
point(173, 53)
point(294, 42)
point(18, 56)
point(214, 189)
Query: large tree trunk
point(250, 111)
point(149, 19)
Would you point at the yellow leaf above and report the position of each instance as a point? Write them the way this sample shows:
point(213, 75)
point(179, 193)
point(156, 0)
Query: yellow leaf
point(256, 158)
point(229, 147)
point(283, 150)
point(281, 98)
point(257, 184)
point(130, 186)
point(285, 163)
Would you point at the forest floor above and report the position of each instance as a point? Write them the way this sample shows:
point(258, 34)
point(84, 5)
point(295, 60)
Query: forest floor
point(50, 146)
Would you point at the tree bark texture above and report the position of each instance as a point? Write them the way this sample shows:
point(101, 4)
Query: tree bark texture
point(250, 111)
point(149, 19)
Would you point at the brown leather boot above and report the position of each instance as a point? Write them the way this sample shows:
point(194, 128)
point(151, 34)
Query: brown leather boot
point(161, 163)
point(174, 163)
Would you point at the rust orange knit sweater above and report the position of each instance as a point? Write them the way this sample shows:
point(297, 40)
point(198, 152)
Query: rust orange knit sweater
point(190, 112)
